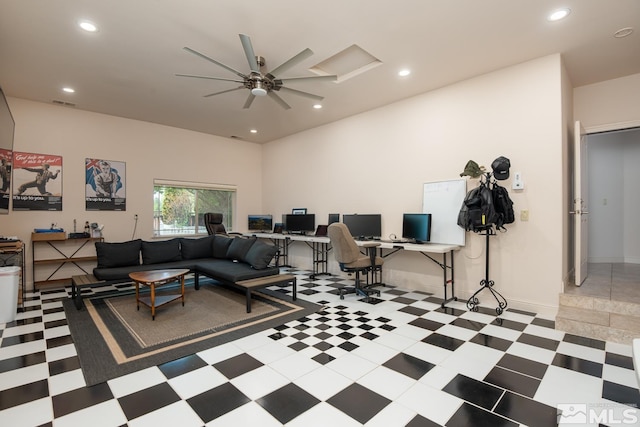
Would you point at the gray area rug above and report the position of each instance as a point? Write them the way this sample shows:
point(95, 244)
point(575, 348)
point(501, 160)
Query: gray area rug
point(113, 338)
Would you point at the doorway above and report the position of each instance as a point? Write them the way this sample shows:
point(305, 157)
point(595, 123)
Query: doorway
point(614, 203)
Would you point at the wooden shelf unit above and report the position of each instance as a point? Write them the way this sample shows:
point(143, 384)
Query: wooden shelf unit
point(59, 242)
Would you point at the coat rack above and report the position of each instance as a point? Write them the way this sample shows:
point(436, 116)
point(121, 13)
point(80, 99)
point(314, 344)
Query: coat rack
point(486, 283)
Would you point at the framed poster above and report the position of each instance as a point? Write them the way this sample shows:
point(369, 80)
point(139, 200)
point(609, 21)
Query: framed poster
point(5, 177)
point(37, 182)
point(105, 185)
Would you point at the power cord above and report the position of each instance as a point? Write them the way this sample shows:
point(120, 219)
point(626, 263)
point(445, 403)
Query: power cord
point(135, 226)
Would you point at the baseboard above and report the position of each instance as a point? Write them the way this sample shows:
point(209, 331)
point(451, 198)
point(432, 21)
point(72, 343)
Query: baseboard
point(606, 260)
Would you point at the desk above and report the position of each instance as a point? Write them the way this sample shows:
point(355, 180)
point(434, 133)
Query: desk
point(321, 248)
point(428, 249)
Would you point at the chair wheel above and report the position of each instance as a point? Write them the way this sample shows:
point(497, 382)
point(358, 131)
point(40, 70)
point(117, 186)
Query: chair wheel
point(341, 296)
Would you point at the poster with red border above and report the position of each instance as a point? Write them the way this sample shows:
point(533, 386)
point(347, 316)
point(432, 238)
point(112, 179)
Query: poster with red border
point(5, 178)
point(37, 182)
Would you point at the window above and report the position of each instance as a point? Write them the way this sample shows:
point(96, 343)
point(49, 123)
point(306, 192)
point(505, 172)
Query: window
point(179, 207)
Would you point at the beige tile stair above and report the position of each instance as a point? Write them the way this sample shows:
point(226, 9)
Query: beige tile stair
point(599, 318)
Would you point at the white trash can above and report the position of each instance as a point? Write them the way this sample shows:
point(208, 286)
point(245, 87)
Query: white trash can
point(9, 277)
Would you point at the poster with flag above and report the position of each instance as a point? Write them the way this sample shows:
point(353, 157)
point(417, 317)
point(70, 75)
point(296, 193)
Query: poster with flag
point(37, 182)
point(105, 185)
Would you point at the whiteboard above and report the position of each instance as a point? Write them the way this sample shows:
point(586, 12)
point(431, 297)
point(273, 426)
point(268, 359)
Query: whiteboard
point(443, 199)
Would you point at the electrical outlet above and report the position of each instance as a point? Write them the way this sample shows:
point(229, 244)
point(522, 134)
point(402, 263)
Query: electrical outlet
point(524, 215)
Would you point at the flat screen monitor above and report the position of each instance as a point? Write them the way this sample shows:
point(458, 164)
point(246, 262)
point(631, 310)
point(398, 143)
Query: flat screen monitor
point(364, 226)
point(300, 224)
point(260, 222)
point(416, 227)
point(333, 218)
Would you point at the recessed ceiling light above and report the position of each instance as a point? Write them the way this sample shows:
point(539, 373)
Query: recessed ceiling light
point(623, 32)
point(559, 14)
point(253, 131)
point(404, 73)
point(317, 106)
point(68, 89)
point(88, 26)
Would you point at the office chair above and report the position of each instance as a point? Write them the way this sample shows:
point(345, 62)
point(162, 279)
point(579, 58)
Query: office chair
point(213, 222)
point(351, 260)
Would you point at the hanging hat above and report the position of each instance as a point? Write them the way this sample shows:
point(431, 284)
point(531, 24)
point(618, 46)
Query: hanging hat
point(472, 169)
point(500, 168)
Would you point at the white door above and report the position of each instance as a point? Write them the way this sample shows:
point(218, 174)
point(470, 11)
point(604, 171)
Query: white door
point(580, 203)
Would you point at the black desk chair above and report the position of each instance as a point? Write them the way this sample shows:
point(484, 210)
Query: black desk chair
point(351, 260)
point(213, 222)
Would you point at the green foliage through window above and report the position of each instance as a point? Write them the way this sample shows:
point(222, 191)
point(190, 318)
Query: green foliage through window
point(179, 209)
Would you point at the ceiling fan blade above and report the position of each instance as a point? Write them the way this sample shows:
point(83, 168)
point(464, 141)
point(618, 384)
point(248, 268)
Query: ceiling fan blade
point(249, 100)
point(210, 78)
point(220, 64)
point(291, 62)
point(301, 93)
point(224, 91)
point(279, 100)
point(248, 50)
point(316, 78)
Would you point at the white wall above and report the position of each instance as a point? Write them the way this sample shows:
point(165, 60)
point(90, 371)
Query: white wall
point(606, 197)
point(149, 150)
point(614, 233)
point(608, 105)
point(377, 162)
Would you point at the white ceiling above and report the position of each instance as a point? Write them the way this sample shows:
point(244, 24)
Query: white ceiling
point(128, 67)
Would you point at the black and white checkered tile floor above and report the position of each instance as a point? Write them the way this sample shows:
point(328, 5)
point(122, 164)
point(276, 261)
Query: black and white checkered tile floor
point(395, 361)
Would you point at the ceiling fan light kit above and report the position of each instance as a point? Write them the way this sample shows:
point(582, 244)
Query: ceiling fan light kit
point(258, 82)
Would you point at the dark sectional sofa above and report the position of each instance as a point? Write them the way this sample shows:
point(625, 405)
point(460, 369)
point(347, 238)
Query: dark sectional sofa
point(226, 259)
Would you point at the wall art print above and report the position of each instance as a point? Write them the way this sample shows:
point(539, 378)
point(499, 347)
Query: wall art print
point(105, 188)
point(37, 182)
point(5, 179)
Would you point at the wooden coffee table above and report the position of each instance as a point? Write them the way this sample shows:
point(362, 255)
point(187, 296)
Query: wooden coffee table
point(153, 279)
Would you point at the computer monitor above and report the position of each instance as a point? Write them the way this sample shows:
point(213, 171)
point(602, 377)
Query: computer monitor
point(416, 227)
point(260, 222)
point(334, 218)
point(364, 226)
point(300, 224)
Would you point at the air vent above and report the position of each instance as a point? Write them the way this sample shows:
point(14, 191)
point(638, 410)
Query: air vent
point(235, 137)
point(66, 104)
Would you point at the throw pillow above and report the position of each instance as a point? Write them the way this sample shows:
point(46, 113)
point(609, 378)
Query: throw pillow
point(196, 248)
point(221, 246)
point(239, 248)
point(260, 255)
point(162, 251)
point(121, 254)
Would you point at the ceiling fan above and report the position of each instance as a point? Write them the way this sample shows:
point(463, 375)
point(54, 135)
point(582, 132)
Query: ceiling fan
point(258, 82)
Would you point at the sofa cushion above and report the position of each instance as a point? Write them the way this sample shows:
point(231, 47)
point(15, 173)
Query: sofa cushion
point(221, 246)
point(239, 247)
point(121, 254)
point(196, 248)
point(260, 255)
point(228, 271)
point(121, 274)
point(161, 251)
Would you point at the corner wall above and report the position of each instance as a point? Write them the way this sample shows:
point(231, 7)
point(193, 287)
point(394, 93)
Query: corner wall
point(377, 162)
